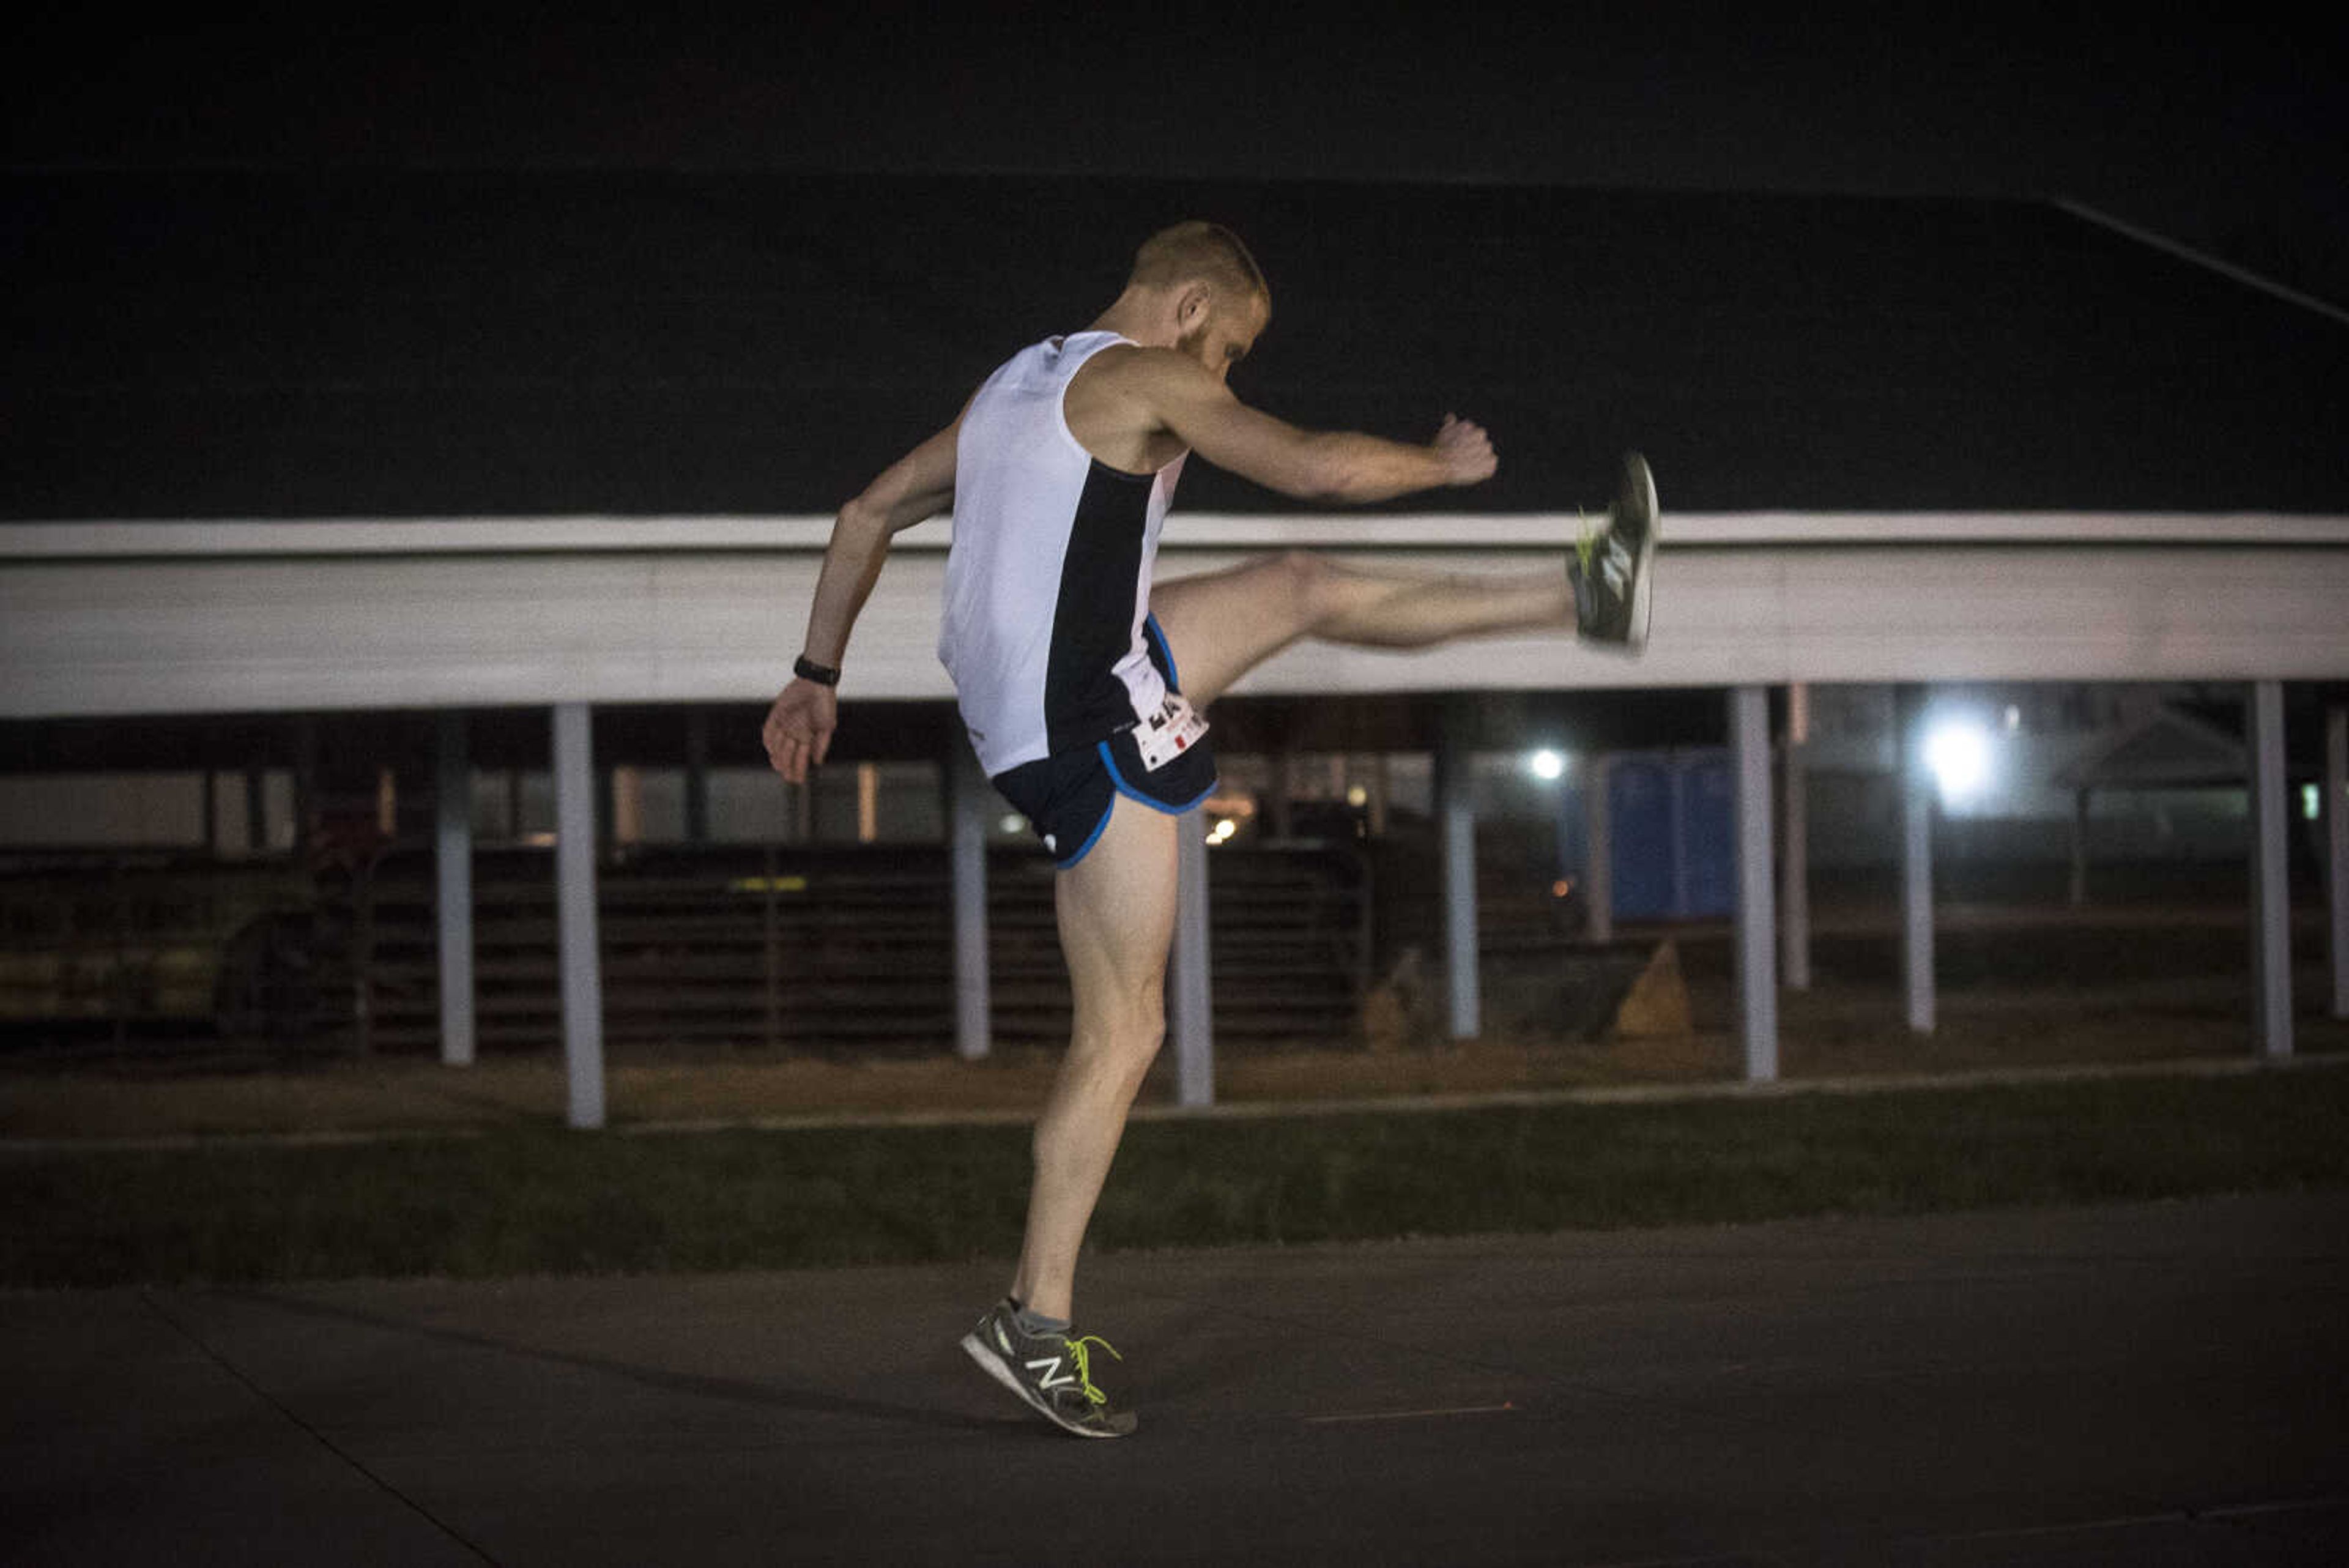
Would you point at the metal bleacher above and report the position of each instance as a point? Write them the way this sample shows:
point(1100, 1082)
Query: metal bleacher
point(829, 949)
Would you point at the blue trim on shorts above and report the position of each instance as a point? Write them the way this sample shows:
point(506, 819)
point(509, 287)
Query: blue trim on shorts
point(1117, 780)
point(1091, 838)
point(1165, 649)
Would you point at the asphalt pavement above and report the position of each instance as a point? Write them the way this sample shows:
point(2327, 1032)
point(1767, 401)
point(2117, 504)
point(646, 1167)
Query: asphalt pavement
point(2145, 1383)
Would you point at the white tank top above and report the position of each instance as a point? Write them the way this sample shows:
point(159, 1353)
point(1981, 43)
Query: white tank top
point(1048, 582)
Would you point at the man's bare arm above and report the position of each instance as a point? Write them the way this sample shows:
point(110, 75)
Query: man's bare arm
point(1178, 395)
point(799, 727)
point(918, 485)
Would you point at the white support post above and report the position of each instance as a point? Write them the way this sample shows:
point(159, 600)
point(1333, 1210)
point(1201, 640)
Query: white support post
point(575, 900)
point(1598, 837)
point(2336, 858)
point(1456, 809)
point(696, 776)
point(968, 804)
point(1757, 987)
point(1916, 869)
point(256, 810)
point(2079, 892)
point(1191, 994)
point(1794, 853)
point(453, 866)
point(2271, 883)
point(1281, 785)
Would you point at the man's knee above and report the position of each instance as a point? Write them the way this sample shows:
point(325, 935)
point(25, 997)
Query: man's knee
point(1129, 1030)
point(1311, 584)
point(1143, 1028)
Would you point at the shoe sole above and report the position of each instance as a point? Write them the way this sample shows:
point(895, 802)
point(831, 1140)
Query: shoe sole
point(1642, 602)
point(978, 1350)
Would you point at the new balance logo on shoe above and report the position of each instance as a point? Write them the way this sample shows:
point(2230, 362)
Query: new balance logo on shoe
point(1616, 567)
point(1050, 1372)
point(1057, 1386)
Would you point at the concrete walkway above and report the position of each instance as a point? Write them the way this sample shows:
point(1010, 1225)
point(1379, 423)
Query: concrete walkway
point(2128, 1385)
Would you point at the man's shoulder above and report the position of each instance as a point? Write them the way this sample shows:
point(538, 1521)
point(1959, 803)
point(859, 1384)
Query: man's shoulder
point(1116, 403)
point(1133, 369)
point(1119, 355)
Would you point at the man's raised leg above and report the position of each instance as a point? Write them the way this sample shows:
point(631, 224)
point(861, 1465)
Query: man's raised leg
point(1223, 624)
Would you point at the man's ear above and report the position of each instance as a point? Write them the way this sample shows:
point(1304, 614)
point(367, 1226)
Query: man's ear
point(1192, 306)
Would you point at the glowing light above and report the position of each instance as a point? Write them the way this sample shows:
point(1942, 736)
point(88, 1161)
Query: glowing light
point(1358, 796)
point(1546, 765)
point(1957, 750)
point(767, 884)
point(2311, 800)
point(1222, 832)
point(1010, 823)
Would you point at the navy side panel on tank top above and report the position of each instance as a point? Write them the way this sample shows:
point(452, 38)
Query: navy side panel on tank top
point(1092, 619)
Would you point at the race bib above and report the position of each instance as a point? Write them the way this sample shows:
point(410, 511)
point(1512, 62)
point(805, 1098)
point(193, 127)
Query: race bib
point(1166, 735)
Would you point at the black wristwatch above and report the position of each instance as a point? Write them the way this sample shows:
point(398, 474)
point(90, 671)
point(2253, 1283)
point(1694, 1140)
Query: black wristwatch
point(807, 669)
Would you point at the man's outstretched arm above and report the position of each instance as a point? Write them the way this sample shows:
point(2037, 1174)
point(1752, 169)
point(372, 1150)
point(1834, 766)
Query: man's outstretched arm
point(1312, 465)
point(918, 485)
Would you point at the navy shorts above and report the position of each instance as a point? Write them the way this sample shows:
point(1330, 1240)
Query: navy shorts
point(1067, 797)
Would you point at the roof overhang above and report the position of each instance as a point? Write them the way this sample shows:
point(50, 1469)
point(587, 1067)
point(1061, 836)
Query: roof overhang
point(144, 617)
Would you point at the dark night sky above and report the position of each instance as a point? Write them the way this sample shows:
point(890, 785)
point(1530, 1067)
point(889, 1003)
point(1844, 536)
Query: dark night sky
point(2229, 139)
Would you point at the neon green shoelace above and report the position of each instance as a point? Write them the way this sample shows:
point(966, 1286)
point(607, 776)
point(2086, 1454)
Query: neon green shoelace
point(1586, 540)
point(1083, 1358)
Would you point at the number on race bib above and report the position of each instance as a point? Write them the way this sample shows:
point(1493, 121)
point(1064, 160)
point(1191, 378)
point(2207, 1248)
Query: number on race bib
point(1166, 735)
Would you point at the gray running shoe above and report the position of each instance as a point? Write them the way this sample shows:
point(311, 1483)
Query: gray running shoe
point(1613, 568)
point(1051, 1372)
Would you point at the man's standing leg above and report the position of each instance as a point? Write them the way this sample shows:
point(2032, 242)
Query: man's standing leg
point(1116, 910)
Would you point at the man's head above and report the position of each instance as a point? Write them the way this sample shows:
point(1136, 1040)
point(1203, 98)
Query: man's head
point(1206, 288)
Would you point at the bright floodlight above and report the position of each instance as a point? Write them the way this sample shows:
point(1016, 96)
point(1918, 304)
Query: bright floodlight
point(1957, 750)
point(1546, 765)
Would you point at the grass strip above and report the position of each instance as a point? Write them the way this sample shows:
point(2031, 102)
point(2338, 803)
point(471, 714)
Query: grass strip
point(542, 1200)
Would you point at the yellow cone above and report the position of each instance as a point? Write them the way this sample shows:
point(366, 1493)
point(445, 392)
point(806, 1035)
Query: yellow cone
point(1657, 1002)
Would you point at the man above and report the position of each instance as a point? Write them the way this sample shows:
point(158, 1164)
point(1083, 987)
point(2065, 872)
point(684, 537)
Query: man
point(1079, 682)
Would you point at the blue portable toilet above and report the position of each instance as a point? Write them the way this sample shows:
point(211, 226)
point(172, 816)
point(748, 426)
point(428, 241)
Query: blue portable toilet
point(1645, 853)
point(1673, 819)
point(1708, 833)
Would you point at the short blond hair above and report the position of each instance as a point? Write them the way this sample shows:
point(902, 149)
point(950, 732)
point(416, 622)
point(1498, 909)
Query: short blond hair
point(1198, 251)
